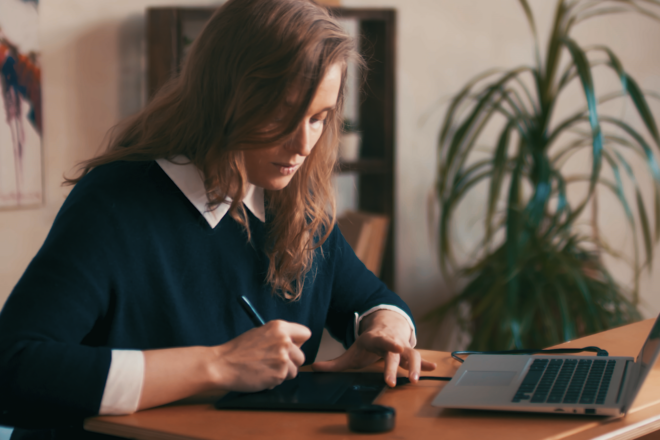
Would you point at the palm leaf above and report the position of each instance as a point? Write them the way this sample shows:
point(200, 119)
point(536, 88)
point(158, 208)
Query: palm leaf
point(499, 171)
point(514, 232)
point(532, 25)
point(582, 66)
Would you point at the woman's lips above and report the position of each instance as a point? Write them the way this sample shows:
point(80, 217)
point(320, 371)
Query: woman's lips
point(286, 168)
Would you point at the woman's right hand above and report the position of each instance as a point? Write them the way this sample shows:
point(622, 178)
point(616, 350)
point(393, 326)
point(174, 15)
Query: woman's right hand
point(261, 358)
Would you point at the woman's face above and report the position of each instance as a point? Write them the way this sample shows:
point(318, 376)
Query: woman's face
point(272, 168)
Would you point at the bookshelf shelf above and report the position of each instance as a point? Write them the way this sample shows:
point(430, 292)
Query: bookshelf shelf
point(364, 166)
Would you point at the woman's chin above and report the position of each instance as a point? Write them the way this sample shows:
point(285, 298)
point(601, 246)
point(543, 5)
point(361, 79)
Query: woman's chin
point(274, 184)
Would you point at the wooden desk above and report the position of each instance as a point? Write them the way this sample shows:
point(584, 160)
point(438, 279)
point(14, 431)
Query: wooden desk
point(416, 418)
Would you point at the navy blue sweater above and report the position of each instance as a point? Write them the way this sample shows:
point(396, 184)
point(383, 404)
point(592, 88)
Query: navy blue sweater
point(131, 264)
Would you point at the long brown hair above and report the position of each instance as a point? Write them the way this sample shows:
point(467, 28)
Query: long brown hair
point(250, 60)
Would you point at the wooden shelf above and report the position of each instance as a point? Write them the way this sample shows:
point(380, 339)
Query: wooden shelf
point(365, 166)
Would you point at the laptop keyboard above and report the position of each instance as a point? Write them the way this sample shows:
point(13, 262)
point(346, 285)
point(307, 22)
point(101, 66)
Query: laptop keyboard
point(566, 381)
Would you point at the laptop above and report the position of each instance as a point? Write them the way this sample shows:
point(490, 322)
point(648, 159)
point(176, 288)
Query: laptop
point(311, 392)
point(591, 385)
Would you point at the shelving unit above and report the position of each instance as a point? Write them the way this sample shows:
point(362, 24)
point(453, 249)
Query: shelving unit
point(171, 29)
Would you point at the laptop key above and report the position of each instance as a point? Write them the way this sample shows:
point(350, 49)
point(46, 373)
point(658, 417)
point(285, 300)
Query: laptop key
point(547, 380)
point(605, 384)
point(530, 381)
point(563, 379)
point(577, 382)
point(593, 382)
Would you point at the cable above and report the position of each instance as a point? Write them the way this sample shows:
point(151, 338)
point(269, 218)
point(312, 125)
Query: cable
point(406, 381)
point(455, 354)
point(597, 350)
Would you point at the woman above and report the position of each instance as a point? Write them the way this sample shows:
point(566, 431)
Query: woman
point(219, 188)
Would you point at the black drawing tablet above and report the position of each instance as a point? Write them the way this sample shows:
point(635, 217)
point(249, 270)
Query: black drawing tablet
point(311, 392)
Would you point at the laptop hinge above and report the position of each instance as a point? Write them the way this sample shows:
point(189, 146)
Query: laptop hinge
point(627, 392)
point(623, 380)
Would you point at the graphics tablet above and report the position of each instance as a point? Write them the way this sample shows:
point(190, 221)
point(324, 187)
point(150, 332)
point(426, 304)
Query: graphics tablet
point(311, 392)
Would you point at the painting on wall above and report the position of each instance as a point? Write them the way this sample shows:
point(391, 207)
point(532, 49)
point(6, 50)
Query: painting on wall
point(21, 167)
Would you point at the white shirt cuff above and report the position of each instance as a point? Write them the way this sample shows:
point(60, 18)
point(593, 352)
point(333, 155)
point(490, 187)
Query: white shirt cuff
point(359, 318)
point(124, 384)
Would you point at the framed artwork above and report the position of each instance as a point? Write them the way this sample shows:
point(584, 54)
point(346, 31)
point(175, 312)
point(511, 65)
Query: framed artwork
point(21, 170)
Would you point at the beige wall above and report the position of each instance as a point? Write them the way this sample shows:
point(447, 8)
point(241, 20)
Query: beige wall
point(441, 44)
point(92, 56)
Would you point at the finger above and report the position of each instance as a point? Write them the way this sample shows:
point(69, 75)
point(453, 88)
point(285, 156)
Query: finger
point(324, 366)
point(297, 356)
point(297, 332)
point(275, 378)
point(379, 344)
point(414, 363)
point(292, 371)
point(343, 362)
point(391, 366)
point(425, 365)
point(428, 366)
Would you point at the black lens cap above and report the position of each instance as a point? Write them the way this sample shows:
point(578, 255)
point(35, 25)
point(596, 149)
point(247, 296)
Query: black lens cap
point(371, 418)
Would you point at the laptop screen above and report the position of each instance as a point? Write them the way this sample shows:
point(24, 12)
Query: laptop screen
point(650, 348)
point(647, 356)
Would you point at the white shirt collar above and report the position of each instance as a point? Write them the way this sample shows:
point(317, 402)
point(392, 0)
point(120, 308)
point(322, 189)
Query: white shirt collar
point(190, 181)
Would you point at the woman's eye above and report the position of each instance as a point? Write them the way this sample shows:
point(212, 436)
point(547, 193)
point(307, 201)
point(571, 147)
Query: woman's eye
point(318, 120)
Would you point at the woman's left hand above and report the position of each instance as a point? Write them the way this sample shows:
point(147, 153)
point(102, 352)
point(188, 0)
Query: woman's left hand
point(384, 334)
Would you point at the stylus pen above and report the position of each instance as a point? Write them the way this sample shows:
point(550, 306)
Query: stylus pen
point(257, 320)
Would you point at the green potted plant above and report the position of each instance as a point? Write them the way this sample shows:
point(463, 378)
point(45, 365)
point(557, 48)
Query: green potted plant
point(536, 279)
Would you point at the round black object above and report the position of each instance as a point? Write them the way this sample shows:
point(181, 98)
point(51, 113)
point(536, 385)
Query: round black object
point(371, 418)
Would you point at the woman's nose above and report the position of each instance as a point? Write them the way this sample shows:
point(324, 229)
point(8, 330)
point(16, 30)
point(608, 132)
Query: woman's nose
point(301, 142)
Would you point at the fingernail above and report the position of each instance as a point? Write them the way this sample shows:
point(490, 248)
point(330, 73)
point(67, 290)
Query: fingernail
point(415, 377)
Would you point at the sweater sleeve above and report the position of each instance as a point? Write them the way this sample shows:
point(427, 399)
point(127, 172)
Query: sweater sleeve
point(355, 289)
point(124, 385)
point(51, 355)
